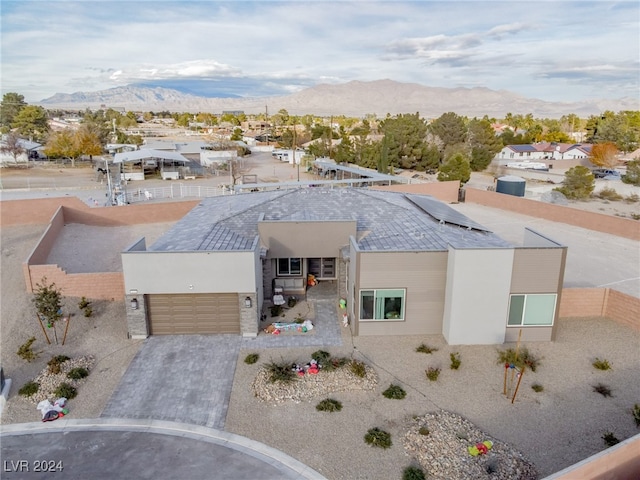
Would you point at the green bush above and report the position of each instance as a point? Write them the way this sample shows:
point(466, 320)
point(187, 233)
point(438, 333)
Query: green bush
point(29, 388)
point(321, 356)
point(78, 373)
point(432, 373)
point(329, 405)
point(455, 360)
point(378, 438)
point(601, 364)
point(26, 350)
point(276, 310)
point(635, 411)
point(422, 348)
point(291, 302)
point(251, 358)
point(522, 358)
point(280, 372)
point(603, 390)
point(610, 439)
point(578, 183)
point(328, 363)
point(633, 198)
point(609, 194)
point(83, 303)
point(423, 431)
point(395, 392)
point(358, 368)
point(537, 387)
point(87, 312)
point(413, 473)
point(65, 390)
point(55, 364)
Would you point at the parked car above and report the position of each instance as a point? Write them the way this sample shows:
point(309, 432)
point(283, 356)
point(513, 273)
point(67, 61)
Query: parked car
point(605, 172)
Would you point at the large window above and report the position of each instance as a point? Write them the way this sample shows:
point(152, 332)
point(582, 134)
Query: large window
point(532, 310)
point(289, 266)
point(382, 304)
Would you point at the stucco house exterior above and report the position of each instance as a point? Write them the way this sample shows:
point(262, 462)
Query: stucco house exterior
point(404, 263)
point(558, 155)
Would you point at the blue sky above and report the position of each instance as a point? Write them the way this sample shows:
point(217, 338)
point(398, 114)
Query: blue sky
point(551, 50)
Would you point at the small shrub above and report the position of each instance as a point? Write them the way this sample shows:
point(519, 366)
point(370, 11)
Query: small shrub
point(455, 360)
point(358, 368)
point(536, 387)
point(275, 310)
point(29, 388)
point(433, 373)
point(413, 473)
point(280, 372)
point(251, 358)
point(83, 303)
point(635, 411)
point(87, 312)
point(55, 364)
point(65, 390)
point(378, 438)
point(78, 373)
point(423, 348)
point(291, 302)
point(610, 439)
point(633, 198)
point(601, 364)
point(603, 390)
point(523, 358)
point(326, 362)
point(395, 392)
point(609, 194)
point(26, 350)
point(329, 405)
point(424, 431)
point(321, 356)
point(298, 320)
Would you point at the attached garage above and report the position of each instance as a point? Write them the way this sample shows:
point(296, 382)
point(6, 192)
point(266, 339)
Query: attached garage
point(193, 314)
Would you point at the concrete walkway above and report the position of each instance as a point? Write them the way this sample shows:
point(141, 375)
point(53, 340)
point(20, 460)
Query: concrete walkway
point(121, 448)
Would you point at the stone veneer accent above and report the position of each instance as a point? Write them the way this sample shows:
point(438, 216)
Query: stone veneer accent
point(248, 316)
point(136, 319)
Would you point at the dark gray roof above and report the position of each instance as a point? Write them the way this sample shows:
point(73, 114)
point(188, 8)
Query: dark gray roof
point(386, 221)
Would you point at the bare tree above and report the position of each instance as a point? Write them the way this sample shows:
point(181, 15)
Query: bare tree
point(12, 145)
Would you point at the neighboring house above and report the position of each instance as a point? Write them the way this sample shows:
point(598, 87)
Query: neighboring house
point(520, 152)
point(405, 264)
point(32, 151)
point(553, 155)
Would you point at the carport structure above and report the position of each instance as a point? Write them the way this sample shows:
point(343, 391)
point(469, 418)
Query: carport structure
point(149, 159)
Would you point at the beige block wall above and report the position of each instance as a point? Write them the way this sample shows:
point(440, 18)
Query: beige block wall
point(444, 191)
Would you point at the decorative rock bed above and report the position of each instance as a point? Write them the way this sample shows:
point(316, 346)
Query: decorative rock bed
point(440, 441)
point(49, 382)
point(309, 386)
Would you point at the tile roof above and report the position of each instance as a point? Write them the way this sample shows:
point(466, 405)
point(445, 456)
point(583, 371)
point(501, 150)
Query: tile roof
point(385, 221)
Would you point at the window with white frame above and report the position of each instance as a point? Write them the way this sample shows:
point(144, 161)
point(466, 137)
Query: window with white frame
point(382, 304)
point(532, 310)
point(289, 266)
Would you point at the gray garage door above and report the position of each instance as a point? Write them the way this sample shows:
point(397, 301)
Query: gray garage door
point(193, 314)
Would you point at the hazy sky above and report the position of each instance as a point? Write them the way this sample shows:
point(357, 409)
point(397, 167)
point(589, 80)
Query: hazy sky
point(551, 50)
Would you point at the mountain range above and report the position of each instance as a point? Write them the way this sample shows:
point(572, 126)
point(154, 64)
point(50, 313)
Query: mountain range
point(355, 98)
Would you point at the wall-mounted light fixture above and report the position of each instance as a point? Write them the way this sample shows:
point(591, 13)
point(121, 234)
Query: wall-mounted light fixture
point(134, 304)
point(247, 302)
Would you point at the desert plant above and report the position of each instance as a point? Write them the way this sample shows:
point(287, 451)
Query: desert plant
point(433, 373)
point(635, 411)
point(291, 302)
point(251, 358)
point(329, 405)
point(65, 390)
point(633, 198)
point(521, 358)
point(423, 348)
point(26, 350)
point(87, 312)
point(413, 473)
point(536, 387)
point(83, 303)
point(423, 431)
point(29, 388)
point(603, 390)
point(395, 392)
point(328, 363)
point(280, 372)
point(275, 310)
point(609, 194)
point(48, 302)
point(601, 364)
point(55, 364)
point(578, 183)
point(455, 360)
point(610, 439)
point(78, 373)
point(378, 438)
point(358, 368)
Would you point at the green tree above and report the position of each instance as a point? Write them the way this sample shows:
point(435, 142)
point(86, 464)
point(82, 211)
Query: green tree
point(406, 144)
point(632, 176)
point(11, 105)
point(578, 183)
point(32, 122)
point(344, 152)
point(450, 129)
point(456, 168)
point(483, 143)
point(237, 134)
point(48, 302)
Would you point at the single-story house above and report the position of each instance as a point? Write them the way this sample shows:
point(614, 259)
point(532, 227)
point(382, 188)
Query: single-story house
point(405, 264)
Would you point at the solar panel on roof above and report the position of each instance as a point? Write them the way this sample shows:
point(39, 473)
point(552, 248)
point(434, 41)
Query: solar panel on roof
point(443, 212)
